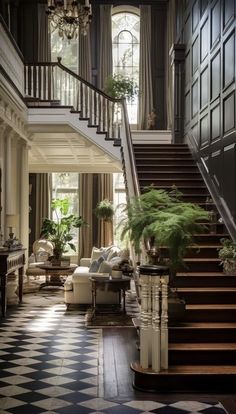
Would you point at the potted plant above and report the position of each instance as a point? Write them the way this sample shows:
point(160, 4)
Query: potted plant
point(119, 86)
point(104, 210)
point(59, 230)
point(227, 253)
point(162, 220)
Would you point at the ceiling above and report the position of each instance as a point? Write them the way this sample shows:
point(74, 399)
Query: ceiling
point(55, 148)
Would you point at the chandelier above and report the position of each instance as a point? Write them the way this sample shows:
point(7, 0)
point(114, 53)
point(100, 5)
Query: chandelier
point(68, 15)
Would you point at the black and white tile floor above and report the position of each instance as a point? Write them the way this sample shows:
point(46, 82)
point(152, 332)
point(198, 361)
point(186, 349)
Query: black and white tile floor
point(50, 363)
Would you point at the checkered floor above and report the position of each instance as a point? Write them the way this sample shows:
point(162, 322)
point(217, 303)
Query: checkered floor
point(50, 363)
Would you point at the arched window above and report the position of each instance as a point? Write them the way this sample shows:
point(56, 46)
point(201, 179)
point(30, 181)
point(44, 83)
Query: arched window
point(125, 49)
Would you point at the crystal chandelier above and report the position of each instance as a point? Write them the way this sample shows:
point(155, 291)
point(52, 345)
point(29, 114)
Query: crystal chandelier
point(68, 15)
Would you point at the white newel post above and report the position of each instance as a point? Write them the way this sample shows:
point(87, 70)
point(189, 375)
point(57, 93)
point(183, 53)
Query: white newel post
point(154, 317)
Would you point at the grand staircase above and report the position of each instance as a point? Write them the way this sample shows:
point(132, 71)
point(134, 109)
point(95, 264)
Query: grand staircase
point(202, 347)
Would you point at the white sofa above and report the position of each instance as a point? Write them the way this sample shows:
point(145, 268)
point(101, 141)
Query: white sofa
point(77, 288)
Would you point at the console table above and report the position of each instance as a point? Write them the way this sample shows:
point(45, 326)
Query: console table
point(117, 285)
point(10, 261)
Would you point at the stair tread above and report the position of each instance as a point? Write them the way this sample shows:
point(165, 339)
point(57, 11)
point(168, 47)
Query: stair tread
point(215, 306)
point(203, 346)
point(207, 289)
point(191, 369)
point(205, 325)
point(202, 259)
point(200, 274)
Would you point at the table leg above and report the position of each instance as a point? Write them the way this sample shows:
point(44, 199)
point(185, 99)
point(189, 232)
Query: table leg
point(124, 310)
point(20, 282)
point(3, 295)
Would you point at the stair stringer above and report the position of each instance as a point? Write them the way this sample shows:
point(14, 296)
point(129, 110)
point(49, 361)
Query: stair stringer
point(64, 116)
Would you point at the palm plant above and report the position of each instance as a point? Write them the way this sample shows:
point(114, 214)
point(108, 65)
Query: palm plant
point(59, 231)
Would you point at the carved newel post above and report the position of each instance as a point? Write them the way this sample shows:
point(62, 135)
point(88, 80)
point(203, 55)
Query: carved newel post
point(154, 317)
point(177, 53)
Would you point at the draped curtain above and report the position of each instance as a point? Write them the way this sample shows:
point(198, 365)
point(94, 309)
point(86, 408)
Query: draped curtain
point(105, 228)
point(42, 201)
point(86, 211)
point(44, 43)
point(145, 73)
point(105, 49)
point(170, 35)
point(84, 64)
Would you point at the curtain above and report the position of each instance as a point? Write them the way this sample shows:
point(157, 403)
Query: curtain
point(86, 211)
point(44, 43)
point(170, 36)
point(42, 202)
point(84, 64)
point(105, 228)
point(105, 49)
point(145, 73)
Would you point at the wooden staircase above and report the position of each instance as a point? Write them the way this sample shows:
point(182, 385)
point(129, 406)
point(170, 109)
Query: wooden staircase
point(202, 347)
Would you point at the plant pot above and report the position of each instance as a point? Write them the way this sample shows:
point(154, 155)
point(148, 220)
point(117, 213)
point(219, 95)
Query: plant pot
point(229, 267)
point(116, 274)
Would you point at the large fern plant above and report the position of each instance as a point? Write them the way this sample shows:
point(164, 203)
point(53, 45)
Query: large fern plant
point(164, 217)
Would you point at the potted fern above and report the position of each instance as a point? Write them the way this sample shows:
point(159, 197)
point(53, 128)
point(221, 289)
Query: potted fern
point(59, 230)
point(162, 220)
point(119, 86)
point(227, 253)
point(104, 210)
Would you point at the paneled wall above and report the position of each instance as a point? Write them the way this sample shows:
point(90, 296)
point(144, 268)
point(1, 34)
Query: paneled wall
point(207, 28)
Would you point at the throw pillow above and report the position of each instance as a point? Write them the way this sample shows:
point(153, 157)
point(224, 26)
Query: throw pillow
point(104, 267)
point(113, 253)
point(96, 253)
point(95, 265)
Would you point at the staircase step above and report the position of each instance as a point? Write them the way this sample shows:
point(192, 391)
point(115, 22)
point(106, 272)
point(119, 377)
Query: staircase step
point(210, 313)
point(198, 192)
point(146, 153)
point(199, 251)
point(201, 265)
point(207, 279)
point(203, 332)
point(140, 160)
point(208, 295)
point(210, 238)
point(202, 353)
point(168, 168)
point(182, 378)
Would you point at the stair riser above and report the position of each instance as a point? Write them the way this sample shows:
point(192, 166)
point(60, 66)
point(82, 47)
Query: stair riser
point(202, 267)
point(188, 192)
point(200, 357)
point(159, 168)
point(160, 161)
point(162, 154)
point(210, 252)
point(211, 315)
point(199, 335)
point(162, 181)
point(208, 297)
point(209, 238)
point(183, 175)
point(184, 383)
point(207, 281)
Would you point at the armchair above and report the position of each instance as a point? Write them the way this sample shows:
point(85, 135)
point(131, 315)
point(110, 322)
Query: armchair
point(42, 249)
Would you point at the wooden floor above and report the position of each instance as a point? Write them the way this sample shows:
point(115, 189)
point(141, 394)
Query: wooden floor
point(119, 350)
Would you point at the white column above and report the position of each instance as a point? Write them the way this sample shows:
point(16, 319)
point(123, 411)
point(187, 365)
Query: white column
point(24, 197)
point(3, 127)
point(164, 322)
point(146, 320)
point(156, 349)
point(8, 177)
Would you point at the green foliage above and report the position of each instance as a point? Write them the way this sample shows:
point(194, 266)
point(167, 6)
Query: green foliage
point(228, 249)
point(104, 210)
point(119, 86)
point(59, 231)
point(163, 216)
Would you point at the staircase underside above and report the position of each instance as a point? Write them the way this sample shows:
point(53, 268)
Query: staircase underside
point(202, 345)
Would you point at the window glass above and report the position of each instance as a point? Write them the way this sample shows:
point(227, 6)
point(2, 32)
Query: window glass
point(125, 49)
point(119, 201)
point(68, 51)
point(66, 185)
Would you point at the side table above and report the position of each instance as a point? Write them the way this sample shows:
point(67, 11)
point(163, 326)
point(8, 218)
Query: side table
point(53, 274)
point(103, 283)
